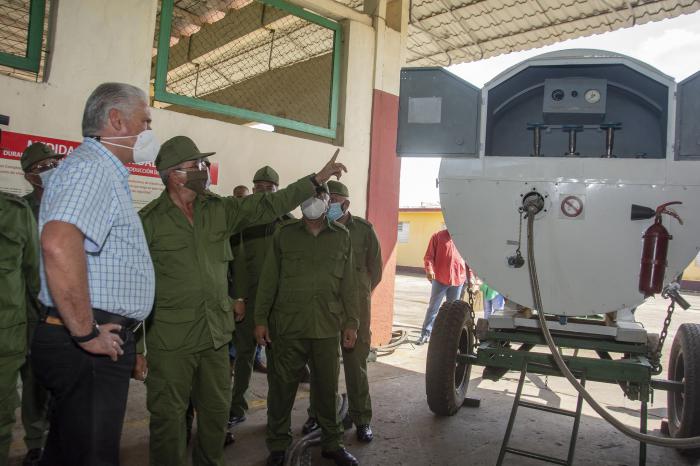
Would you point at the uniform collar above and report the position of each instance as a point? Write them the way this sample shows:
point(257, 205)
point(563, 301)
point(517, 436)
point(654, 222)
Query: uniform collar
point(350, 220)
point(330, 224)
point(327, 223)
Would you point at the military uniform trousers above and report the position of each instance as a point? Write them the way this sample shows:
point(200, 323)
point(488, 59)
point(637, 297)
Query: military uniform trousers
point(35, 400)
point(286, 359)
point(173, 379)
point(244, 341)
point(356, 383)
point(9, 400)
point(355, 367)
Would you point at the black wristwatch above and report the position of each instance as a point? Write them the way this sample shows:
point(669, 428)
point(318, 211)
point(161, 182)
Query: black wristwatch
point(85, 338)
point(313, 180)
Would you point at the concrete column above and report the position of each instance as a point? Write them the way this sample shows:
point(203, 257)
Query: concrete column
point(390, 21)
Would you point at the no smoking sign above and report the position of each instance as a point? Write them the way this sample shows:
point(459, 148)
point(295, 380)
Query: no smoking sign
point(571, 206)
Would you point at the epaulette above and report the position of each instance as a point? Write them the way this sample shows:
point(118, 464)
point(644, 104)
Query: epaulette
point(211, 195)
point(290, 221)
point(363, 220)
point(14, 199)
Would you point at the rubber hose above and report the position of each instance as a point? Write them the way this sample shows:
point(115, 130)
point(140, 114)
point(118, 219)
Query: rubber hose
point(296, 450)
point(400, 339)
point(680, 443)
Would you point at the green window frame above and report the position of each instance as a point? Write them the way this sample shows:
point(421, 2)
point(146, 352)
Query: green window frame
point(32, 58)
point(162, 95)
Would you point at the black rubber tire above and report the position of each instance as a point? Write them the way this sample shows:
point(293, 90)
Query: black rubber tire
point(684, 365)
point(446, 380)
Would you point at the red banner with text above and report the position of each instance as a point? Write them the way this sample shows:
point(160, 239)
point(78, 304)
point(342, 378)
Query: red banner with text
point(144, 181)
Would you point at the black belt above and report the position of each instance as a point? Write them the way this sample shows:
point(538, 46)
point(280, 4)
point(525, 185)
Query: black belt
point(104, 317)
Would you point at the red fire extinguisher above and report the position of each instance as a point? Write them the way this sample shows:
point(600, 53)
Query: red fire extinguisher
point(654, 252)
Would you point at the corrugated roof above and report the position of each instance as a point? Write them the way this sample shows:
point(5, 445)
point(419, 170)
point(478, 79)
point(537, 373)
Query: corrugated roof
point(441, 32)
point(448, 32)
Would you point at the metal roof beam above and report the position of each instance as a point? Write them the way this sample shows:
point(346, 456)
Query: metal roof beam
point(333, 10)
point(220, 33)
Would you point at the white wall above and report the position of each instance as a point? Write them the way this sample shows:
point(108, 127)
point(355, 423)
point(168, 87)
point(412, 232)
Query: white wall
point(95, 41)
point(98, 41)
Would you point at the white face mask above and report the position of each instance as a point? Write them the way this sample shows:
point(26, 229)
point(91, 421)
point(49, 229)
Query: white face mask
point(145, 148)
point(45, 176)
point(313, 208)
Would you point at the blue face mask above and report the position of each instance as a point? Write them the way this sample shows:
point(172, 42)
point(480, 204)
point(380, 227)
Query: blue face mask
point(335, 211)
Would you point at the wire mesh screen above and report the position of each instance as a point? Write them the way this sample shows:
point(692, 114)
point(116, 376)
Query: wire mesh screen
point(14, 36)
point(14, 27)
point(252, 56)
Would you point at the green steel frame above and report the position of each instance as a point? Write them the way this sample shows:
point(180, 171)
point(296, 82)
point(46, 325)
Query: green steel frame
point(162, 95)
point(32, 58)
point(498, 350)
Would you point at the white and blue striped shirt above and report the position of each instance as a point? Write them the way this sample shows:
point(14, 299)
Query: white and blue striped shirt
point(90, 190)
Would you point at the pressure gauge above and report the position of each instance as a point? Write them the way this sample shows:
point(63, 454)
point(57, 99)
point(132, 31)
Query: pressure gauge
point(592, 96)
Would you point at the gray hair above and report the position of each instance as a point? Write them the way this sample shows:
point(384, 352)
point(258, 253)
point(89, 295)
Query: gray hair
point(108, 96)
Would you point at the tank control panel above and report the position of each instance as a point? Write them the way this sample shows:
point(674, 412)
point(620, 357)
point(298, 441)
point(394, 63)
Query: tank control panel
point(577, 97)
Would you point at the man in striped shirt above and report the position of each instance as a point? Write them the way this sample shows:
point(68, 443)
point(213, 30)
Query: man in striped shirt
point(97, 279)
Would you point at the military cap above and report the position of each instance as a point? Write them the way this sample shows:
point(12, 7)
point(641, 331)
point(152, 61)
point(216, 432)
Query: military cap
point(267, 173)
point(36, 153)
point(336, 187)
point(176, 150)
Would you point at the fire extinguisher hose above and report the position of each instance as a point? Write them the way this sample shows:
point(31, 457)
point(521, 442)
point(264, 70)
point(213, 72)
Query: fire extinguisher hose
point(680, 443)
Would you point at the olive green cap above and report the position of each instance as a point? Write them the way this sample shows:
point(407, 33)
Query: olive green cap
point(336, 187)
point(176, 150)
point(36, 153)
point(267, 173)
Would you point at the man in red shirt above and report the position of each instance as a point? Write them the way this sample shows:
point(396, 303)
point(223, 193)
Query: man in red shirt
point(447, 271)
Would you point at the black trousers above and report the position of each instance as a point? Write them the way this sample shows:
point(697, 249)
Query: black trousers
point(88, 397)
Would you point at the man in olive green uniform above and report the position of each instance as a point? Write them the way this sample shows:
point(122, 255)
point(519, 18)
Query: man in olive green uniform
point(37, 161)
point(367, 258)
point(19, 282)
point(306, 296)
point(249, 247)
point(188, 230)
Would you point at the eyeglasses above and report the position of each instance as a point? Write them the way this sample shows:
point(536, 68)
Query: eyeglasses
point(201, 164)
point(45, 165)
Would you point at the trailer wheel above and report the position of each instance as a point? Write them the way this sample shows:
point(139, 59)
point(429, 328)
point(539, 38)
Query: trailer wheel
point(684, 366)
point(447, 378)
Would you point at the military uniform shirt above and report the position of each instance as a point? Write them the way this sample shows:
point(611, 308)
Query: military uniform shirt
point(34, 310)
point(368, 264)
point(249, 249)
point(34, 203)
point(307, 287)
point(192, 308)
point(19, 271)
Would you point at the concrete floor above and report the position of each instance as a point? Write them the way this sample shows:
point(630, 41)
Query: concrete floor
point(407, 433)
